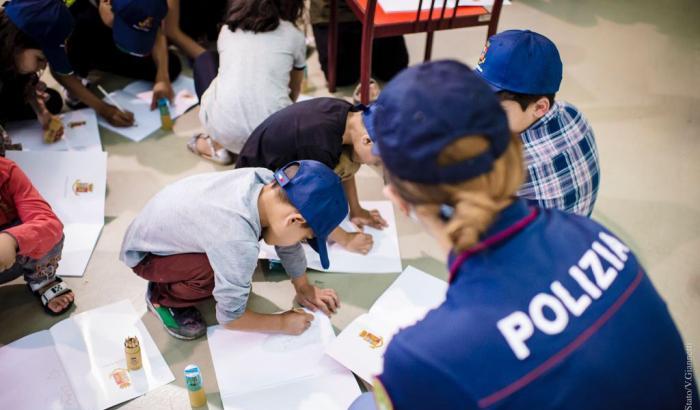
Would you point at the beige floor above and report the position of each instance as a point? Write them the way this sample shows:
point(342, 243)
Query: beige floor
point(631, 67)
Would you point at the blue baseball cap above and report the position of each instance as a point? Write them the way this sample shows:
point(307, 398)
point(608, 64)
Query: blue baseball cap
point(317, 192)
point(136, 23)
point(49, 23)
point(521, 61)
point(368, 121)
point(427, 107)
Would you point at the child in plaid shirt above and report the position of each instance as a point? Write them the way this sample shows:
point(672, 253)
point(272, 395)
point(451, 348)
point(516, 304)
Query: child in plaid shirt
point(525, 69)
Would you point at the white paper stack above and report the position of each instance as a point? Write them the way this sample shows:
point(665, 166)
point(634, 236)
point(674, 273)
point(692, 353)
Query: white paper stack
point(258, 371)
point(136, 97)
point(74, 184)
point(403, 304)
point(383, 258)
point(80, 363)
point(80, 133)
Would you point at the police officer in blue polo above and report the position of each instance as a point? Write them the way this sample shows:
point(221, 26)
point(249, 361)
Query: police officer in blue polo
point(545, 310)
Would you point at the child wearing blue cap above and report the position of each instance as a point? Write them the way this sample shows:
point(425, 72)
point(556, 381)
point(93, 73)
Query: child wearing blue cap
point(200, 237)
point(328, 130)
point(118, 36)
point(561, 157)
point(545, 309)
point(23, 95)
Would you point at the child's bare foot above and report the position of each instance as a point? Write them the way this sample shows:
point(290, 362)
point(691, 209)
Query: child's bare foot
point(60, 303)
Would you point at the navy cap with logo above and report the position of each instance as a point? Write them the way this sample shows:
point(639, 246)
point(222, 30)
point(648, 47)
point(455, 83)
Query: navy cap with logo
point(427, 107)
point(521, 61)
point(49, 23)
point(317, 192)
point(136, 23)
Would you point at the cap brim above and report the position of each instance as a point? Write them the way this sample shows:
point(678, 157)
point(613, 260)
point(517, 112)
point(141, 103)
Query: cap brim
point(319, 245)
point(58, 59)
point(368, 120)
point(132, 41)
point(493, 86)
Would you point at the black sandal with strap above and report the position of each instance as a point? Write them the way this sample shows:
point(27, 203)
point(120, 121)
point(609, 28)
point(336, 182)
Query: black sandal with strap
point(57, 288)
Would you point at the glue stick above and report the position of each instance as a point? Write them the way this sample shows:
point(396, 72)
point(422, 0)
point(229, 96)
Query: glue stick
point(166, 121)
point(193, 380)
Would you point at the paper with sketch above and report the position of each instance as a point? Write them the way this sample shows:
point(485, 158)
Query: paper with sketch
point(74, 184)
point(136, 97)
point(80, 364)
point(361, 345)
point(394, 6)
point(80, 133)
point(290, 372)
point(383, 258)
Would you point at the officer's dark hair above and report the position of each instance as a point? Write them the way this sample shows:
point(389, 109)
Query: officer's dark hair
point(476, 201)
point(260, 16)
point(524, 100)
point(13, 41)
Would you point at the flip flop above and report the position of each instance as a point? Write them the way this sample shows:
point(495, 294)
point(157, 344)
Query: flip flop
point(58, 288)
point(221, 156)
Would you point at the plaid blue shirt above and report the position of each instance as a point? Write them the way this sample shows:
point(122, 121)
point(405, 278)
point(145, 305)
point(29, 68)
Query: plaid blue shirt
point(562, 161)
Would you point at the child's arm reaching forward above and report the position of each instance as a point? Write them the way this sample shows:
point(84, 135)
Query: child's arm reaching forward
point(292, 322)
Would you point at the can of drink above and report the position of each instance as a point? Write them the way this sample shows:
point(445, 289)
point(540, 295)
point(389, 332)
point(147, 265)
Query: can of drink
point(193, 381)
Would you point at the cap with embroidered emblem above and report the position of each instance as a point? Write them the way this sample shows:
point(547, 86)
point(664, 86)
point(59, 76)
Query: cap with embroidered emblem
point(317, 192)
point(521, 61)
point(136, 23)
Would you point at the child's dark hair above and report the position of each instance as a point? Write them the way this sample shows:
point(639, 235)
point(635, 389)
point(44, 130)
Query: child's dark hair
point(13, 41)
point(260, 16)
point(524, 100)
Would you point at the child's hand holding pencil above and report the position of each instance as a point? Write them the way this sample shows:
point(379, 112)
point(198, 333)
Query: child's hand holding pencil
point(114, 113)
point(296, 321)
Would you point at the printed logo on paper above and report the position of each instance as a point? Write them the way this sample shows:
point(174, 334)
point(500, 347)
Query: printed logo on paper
point(121, 378)
point(373, 340)
point(82, 187)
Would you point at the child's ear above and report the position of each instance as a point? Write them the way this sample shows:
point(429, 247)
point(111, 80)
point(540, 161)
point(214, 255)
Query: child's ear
point(366, 140)
point(541, 107)
point(294, 219)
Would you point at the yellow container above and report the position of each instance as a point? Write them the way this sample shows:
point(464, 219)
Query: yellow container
point(193, 380)
point(132, 349)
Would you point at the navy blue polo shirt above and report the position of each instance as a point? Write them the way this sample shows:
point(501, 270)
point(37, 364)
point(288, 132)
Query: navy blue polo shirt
point(553, 311)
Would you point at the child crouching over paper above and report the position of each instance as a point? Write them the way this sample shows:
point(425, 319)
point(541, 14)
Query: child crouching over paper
point(31, 239)
point(199, 237)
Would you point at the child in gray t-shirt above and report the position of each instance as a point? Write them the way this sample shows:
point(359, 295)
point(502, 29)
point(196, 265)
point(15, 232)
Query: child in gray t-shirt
point(199, 237)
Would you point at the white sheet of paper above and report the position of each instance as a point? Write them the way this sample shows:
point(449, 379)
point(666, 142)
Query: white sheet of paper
point(33, 376)
point(394, 6)
point(78, 138)
point(258, 371)
point(383, 258)
point(91, 346)
point(404, 303)
point(60, 177)
point(136, 97)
